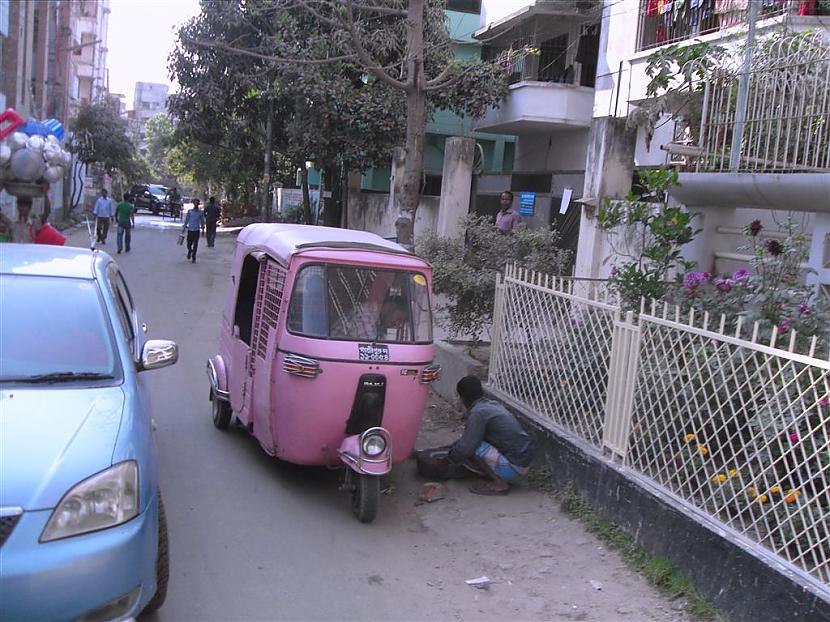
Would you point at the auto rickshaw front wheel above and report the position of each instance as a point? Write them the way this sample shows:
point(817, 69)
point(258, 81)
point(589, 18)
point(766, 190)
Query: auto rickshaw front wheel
point(221, 412)
point(365, 497)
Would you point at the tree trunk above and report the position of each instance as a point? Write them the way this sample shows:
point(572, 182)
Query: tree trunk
point(407, 200)
point(266, 163)
point(306, 197)
point(334, 208)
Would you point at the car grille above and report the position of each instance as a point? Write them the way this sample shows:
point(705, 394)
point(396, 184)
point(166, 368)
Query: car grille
point(7, 524)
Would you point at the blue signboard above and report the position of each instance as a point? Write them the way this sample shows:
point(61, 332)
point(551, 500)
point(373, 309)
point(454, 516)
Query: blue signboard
point(527, 203)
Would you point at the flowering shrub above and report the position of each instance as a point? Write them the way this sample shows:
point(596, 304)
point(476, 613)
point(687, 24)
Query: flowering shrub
point(651, 233)
point(769, 292)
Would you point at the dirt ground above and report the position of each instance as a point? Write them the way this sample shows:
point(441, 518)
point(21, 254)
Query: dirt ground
point(543, 565)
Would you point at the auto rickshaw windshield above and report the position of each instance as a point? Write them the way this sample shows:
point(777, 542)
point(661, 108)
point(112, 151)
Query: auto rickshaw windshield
point(360, 304)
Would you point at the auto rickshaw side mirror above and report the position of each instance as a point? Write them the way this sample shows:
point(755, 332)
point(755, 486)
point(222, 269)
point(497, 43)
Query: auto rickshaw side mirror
point(236, 331)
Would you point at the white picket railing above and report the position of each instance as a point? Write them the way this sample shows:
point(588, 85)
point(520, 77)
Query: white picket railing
point(736, 424)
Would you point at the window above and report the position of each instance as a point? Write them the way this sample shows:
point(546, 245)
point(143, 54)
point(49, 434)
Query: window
point(53, 325)
point(246, 297)
point(464, 6)
point(361, 304)
point(123, 302)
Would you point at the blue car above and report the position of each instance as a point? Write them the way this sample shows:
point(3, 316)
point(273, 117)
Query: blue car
point(83, 535)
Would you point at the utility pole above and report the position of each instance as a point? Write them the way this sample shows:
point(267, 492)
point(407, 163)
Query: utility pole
point(266, 165)
point(743, 89)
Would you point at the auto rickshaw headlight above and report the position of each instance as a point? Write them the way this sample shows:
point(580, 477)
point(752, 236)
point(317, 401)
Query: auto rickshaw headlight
point(373, 445)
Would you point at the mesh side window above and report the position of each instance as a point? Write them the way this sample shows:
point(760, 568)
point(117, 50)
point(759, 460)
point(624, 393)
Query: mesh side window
point(269, 297)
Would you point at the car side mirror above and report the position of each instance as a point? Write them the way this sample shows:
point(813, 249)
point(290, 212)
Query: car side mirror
point(158, 353)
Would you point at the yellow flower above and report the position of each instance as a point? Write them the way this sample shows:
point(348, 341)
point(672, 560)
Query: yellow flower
point(720, 478)
point(762, 499)
point(734, 473)
point(690, 438)
point(775, 490)
point(703, 450)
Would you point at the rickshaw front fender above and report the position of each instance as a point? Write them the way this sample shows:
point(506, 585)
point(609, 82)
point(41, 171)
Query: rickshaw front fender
point(218, 376)
point(352, 456)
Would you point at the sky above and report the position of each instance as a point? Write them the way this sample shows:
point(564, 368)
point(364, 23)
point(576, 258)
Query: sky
point(141, 36)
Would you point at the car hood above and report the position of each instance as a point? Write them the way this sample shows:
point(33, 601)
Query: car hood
point(51, 439)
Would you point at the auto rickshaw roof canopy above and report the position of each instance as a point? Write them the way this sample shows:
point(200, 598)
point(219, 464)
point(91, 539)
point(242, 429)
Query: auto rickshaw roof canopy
point(285, 240)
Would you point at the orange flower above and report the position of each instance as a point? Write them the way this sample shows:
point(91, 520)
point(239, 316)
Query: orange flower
point(775, 490)
point(792, 495)
point(720, 478)
point(762, 499)
point(690, 438)
point(752, 492)
point(703, 450)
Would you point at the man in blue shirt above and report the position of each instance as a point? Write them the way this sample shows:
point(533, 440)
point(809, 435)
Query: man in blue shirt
point(493, 440)
point(104, 212)
point(194, 223)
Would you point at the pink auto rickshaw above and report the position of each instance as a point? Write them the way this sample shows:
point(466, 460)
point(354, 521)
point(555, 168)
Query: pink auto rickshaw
point(326, 352)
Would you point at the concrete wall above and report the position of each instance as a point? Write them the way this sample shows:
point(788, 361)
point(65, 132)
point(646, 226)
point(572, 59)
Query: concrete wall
point(370, 211)
point(561, 150)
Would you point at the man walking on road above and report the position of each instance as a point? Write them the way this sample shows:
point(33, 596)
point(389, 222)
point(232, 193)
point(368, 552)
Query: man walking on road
point(194, 222)
point(125, 217)
point(493, 440)
point(212, 214)
point(104, 211)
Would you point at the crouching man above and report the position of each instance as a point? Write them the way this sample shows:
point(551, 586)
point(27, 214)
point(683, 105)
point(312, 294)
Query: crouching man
point(493, 440)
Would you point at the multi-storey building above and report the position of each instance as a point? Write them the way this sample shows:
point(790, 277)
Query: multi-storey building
point(89, 74)
point(763, 154)
point(149, 100)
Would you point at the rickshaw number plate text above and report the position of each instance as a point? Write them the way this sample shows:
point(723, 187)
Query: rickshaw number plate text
point(372, 353)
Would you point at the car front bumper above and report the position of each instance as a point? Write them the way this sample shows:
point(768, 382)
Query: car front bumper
point(69, 578)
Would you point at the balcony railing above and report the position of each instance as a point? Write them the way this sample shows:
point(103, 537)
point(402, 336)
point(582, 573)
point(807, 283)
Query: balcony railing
point(665, 21)
point(787, 120)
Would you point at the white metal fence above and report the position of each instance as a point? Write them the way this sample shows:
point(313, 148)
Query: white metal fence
point(735, 424)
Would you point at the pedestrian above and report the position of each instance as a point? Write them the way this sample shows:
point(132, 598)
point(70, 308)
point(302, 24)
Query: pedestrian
point(104, 212)
point(507, 218)
point(125, 218)
point(194, 222)
point(212, 214)
point(493, 440)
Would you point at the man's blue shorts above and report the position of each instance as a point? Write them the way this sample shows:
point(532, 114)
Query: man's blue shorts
point(500, 465)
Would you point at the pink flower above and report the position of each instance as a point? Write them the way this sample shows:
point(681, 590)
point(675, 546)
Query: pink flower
point(803, 308)
point(825, 401)
point(794, 437)
point(784, 326)
point(755, 227)
point(741, 274)
point(723, 285)
point(693, 279)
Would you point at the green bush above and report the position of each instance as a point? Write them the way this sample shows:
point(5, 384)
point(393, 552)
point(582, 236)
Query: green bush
point(465, 268)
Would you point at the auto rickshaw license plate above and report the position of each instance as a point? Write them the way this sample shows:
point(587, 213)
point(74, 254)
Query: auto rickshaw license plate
point(372, 353)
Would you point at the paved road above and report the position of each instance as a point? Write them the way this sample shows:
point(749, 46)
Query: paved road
point(255, 539)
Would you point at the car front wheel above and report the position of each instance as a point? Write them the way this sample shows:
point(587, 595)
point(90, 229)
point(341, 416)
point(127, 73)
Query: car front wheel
point(162, 562)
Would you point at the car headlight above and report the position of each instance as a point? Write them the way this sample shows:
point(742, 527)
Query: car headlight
point(104, 500)
point(373, 445)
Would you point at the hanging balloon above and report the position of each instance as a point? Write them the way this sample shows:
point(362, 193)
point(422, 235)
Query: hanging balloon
point(36, 143)
point(27, 165)
point(67, 159)
point(5, 154)
point(53, 173)
point(53, 154)
point(17, 140)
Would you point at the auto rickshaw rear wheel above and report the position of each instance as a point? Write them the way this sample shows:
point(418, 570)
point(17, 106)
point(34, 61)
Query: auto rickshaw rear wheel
point(221, 411)
point(365, 497)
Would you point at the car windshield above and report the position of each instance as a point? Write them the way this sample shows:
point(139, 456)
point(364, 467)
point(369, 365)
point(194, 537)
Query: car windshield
point(361, 304)
point(159, 191)
point(53, 330)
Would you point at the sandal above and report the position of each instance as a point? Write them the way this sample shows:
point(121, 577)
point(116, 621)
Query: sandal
point(487, 489)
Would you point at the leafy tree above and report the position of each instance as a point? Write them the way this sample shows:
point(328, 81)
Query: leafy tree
point(159, 134)
point(99, 136)
point(400, 44)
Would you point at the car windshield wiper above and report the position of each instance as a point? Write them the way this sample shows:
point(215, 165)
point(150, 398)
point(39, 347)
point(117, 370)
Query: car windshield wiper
point(61, 376)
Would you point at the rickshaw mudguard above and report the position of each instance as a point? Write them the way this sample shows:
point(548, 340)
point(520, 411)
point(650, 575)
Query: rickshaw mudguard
point(350, 454)
point(217, 374)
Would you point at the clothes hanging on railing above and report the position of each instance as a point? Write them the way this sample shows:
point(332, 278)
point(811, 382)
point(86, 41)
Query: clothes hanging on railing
point(588, 49)
point(807, 7)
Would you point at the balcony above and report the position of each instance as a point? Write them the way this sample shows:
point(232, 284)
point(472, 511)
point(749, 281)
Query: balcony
point(661, 23)
point(535, 106)
point(83, 70)
point(773, 151)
